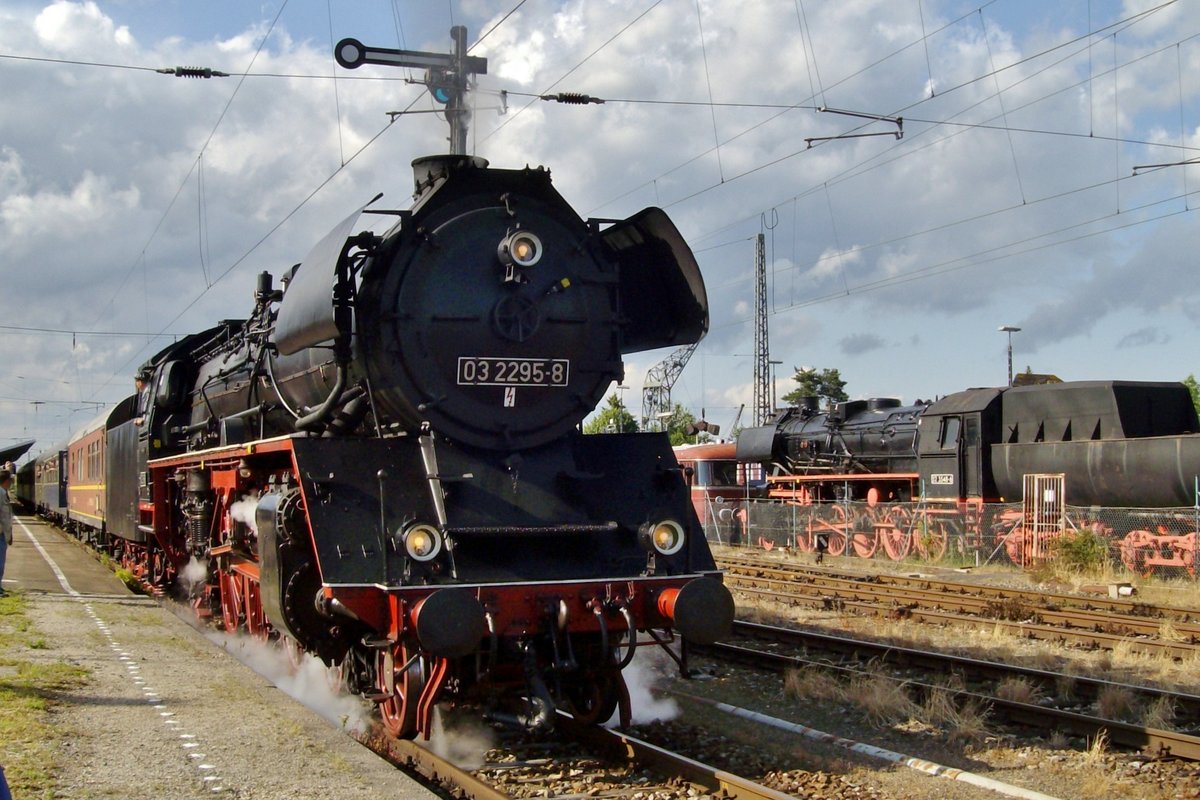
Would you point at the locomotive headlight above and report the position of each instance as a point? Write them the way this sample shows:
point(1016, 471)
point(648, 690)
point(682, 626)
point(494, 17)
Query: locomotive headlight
point(422, 542)
point(666, 537)
point(520, 248)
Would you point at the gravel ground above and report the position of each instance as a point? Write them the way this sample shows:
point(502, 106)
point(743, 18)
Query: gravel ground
point(832, 772)
point(1061, 768)
point(165, 713)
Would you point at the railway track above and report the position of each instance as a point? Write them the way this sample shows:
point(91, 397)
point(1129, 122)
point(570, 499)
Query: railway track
point(1159, 743)
point(1076, 620)
point(584, 761)
point(1083, 690)
point(1121, 606)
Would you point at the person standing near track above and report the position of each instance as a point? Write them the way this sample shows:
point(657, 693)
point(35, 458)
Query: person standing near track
point(6, 522)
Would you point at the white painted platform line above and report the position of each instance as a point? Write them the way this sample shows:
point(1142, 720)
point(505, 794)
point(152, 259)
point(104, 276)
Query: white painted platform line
point(58, 573)
point(208, 777)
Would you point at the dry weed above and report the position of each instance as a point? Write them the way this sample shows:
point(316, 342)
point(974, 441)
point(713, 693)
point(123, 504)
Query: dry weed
point(1160, 714)
point(1058, 741)
point(1115, 702)
point(1169, 633)
point(1064, 687)
point(939, 710)
point(966, 723)
point(1125, 650)
point(1019, 690)
point(812, 683)
point(1043, 659)
point(971, 725)
point(884, 701)
point(1097, 748)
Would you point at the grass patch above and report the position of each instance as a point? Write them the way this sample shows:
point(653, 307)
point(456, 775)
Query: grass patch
point(1160, 714)
point(1097, 749)
point(27, 690)
point(1115, 702)
point(127, 577)
point(884, 701)
point(1019, 690)
point(812, 683)
point(963, 723)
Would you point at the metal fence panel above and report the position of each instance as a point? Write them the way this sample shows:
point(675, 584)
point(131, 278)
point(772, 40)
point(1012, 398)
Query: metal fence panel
point(1143, 542)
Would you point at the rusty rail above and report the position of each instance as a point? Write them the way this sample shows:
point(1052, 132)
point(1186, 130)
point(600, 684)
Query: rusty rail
point(1159, 743)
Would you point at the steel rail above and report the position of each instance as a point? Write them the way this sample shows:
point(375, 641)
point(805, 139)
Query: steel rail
point(1159, 743)
point(715, 781)
point(1187, 705)
point(1080, 618)
point(411, 757)
point(875, 606)
point(1133, 608)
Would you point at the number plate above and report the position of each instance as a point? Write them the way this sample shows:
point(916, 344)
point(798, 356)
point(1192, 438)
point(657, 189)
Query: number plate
point(475, 371)
point(942, 479)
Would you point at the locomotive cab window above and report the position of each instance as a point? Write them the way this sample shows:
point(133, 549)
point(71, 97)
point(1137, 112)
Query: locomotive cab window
point(949, 434)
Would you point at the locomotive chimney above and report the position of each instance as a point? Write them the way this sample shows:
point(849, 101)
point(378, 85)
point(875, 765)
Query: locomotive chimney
point(430, 172)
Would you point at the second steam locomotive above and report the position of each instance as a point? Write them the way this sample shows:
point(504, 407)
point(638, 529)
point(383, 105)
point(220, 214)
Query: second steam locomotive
point(989, 467)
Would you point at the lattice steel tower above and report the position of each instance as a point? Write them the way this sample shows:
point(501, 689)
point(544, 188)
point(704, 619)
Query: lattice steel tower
point(762, 348)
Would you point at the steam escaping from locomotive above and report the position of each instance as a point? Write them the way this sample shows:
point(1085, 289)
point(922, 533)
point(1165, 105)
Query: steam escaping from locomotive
point(308, 681)
point(244, 511)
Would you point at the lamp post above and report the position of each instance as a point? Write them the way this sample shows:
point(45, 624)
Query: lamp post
point(1010, 330)
point(773, 364)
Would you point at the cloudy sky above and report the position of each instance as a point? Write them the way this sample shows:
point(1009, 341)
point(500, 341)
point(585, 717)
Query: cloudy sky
point(136, 205)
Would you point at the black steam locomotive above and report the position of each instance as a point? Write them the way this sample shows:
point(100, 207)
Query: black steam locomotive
point(1118, 443)
point(383, 464)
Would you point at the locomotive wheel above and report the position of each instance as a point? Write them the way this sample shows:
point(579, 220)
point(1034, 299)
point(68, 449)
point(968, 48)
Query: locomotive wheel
point(840, 522)
point(158, 568)
point(594, 701)
point(294, 652)
point(253, 610)
point(805, 542)
point(1134, 549)
point(231, 603)
point(401, 687)
point(865, 538)
point(1009, 527)
point(896, 533)
point(931, 538)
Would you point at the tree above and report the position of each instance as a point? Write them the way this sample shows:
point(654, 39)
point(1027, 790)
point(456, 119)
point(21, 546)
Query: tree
point(826, 384)
point(613, 418)
point(677, 426)
point(1193, 388)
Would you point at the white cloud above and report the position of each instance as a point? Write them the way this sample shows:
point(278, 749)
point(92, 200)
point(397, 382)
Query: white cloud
point(92, 159)
point(70, 27)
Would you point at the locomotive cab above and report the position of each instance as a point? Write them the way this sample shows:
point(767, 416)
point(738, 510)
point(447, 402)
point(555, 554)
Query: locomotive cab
point(954, 445)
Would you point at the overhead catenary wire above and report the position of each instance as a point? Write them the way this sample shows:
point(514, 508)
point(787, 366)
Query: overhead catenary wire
point(889, 155)
point(195, 163)
point(1131, 19)
point(976, 259)
point(572, 70)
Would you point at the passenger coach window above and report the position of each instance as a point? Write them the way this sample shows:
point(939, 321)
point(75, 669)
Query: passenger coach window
point(950, 432)
point(725, 473)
